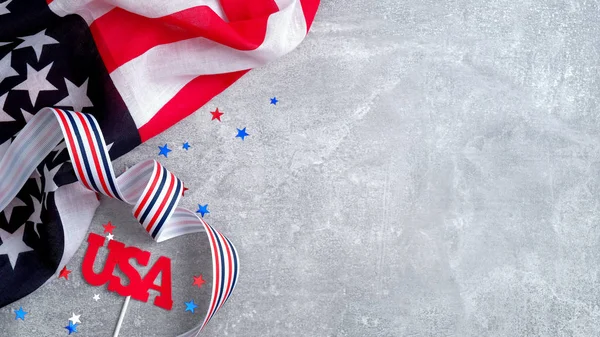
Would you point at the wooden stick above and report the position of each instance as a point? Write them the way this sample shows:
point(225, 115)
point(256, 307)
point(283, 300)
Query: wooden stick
point(123, 311)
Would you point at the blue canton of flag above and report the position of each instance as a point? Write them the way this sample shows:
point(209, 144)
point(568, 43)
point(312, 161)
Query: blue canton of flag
point(48, 61)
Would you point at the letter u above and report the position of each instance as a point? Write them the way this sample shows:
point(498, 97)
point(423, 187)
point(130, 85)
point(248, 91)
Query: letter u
point(95, 242)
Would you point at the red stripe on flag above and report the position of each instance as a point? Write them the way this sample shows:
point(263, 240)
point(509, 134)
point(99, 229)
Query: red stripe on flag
point(309, 7)
point(122, 36)
point(49, 1)
point(149, 193)
point(189, 99)
point(240, 10)
point(163, 203)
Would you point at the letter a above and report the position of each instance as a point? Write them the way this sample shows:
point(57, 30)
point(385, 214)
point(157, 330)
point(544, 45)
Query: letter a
point(162, 265)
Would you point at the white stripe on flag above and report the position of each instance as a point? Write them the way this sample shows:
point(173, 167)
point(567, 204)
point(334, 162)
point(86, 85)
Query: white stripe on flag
point(91, 10)
point(88, 10)
point(158, 8)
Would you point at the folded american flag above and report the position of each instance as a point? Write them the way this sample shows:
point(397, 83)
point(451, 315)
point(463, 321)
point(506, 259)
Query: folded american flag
point(138, 67)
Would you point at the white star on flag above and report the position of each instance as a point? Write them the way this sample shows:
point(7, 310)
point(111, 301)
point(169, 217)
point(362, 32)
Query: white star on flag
point(49, 178)
point(109, 146)
point(26, 115)
point(96, 297)
point(35, 217)
point(38, 178)
point(59, 148)
point(75, 319)
point(3, 9)
point(13, 245)
point(36, 81)
point(77, 98)
point(37, 42)
point(4, 117)
point(6, 70)
point(16, 202)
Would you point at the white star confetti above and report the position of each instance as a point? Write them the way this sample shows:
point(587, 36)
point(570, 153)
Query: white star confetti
point(75, 319)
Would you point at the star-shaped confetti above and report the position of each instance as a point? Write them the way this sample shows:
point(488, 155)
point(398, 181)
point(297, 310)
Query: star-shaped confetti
point(110, 236)
point(203, 209)
point(184, 190)
point(215, 114)
point(96, 297)
point(108, 227)
point(186, 146)
point(64, 273)
point(75, 319)
point(190, 306)
point(71, 327)
point(164, 150)
point(199, 281)
point(274, 101)
point(242, 133)
point(20, 314)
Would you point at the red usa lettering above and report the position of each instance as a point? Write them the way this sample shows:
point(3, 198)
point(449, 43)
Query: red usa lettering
point(120, 255)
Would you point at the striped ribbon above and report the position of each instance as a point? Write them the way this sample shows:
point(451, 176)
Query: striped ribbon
point(151, 189)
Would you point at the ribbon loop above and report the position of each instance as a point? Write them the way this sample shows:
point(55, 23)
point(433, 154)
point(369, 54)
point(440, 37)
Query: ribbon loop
point(151, 189)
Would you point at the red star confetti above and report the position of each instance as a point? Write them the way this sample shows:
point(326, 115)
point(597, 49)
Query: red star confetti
point(64, 273)
point(108, 228)
point(184, 189)
point(198, 281)
point(216, 115)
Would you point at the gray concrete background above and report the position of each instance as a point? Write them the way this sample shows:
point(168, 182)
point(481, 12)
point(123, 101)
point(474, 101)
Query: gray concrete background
point(431, 170)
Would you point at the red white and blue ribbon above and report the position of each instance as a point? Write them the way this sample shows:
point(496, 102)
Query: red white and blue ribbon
point(151, 189)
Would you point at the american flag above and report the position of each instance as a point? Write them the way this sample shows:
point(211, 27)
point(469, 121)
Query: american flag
point(137, 67)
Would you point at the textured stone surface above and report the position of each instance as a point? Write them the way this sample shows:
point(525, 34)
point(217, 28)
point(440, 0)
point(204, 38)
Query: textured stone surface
point(431, 170)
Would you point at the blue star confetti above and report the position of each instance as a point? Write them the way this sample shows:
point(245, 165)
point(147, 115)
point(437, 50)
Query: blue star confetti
point(20, 314)
point(274, 101)
point(186, 146)
point(203, 209)
point(190, 306)
point(72, 327)
point(242, 133)
point(164, 150)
